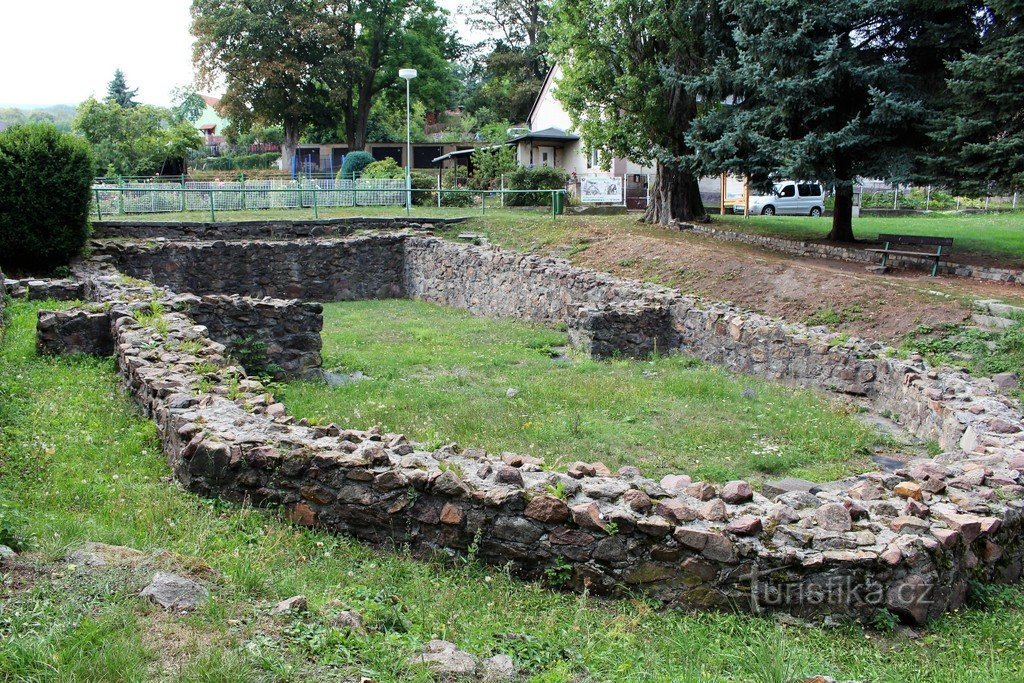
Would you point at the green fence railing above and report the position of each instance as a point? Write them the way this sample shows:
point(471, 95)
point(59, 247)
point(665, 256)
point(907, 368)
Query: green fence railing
point(300, 197)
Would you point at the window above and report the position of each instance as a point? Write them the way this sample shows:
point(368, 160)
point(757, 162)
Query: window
point(593, 159)
point(787, 191)
point(809, 190)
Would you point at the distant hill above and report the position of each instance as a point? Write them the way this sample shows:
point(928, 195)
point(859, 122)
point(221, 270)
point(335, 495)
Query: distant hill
point(60, 115)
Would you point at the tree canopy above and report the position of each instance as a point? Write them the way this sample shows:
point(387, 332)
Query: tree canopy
point(829, 96)
point(980, 136)
point(139, 140)
point(312, 63)
point(625, 84)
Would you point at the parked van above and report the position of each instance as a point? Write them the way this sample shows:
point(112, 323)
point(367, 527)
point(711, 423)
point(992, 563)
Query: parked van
point(795, 198)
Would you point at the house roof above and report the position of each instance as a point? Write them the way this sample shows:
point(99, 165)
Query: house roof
point(211, 100)
point(461, 153)
point(540, 93)
point(547, 134)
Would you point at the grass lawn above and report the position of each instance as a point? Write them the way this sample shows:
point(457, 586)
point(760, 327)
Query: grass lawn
point(78, 463)
point(999, 235)
point(441, 375)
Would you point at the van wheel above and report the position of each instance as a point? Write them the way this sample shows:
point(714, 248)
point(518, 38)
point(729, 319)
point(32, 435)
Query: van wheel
point(768, 210)
point(816, 212)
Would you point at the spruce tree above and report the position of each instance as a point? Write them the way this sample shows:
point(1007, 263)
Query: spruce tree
point(829, 94)
point(119, 92)
point(981, 135)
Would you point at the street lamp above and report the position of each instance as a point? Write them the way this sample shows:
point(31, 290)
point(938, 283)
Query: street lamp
point(408, 75)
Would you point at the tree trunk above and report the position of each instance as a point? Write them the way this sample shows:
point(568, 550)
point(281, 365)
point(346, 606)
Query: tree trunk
point(290, 145)
point(842, 214)
point(674, 197)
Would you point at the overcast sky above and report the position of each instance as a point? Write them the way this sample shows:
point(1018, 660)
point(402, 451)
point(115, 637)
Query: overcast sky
point(63, 51)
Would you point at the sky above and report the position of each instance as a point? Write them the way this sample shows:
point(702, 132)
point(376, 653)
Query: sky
point(63, 51)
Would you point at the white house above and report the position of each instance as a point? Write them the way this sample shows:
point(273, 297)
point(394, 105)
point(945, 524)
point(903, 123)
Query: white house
point(552, 141)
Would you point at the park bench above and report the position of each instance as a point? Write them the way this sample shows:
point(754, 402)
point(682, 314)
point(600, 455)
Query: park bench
point(914, 241)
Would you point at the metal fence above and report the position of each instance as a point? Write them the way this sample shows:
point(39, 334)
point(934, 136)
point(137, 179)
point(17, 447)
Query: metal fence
point(213, 197)
point(134, 198)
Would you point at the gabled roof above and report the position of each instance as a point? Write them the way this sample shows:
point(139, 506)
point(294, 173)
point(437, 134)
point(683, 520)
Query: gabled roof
point(540, 93)
point(211, 100)
point(551, 134)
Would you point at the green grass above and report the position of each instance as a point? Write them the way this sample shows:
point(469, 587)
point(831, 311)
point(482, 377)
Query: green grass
point(80, 464)
point(998, 235)
point(441, 375)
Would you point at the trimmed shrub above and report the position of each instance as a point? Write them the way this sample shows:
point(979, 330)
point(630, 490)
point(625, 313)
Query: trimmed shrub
point(354, 164)
point(45, 189)
point(536, 178)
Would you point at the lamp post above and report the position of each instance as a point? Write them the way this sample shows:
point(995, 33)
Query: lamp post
point(408, 75)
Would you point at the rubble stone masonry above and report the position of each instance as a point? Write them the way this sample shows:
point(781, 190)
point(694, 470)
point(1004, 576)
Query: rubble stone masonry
point(909, 541)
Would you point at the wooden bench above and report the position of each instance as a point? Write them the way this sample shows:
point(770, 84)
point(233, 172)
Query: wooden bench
point(915, 241)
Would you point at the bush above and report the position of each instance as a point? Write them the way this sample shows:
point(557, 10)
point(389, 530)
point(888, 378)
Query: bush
point(45, 188)
point(424, 181)
point(385, 168)
point(536, 178)
point(354, 164)
point(240, 162)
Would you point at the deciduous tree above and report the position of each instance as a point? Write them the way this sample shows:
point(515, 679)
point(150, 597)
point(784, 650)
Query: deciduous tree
point(302, 63)
point(625, 84)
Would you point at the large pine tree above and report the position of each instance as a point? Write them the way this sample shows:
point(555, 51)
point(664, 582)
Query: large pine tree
point(830, 94)
point(118, 91)
point(981, 136)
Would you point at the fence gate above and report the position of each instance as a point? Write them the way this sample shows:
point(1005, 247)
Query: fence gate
point(637, 187)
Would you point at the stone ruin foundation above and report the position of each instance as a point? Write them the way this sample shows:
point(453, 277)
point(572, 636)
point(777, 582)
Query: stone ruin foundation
point(908, 541)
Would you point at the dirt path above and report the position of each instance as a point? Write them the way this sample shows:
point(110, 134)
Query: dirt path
point(841, 295)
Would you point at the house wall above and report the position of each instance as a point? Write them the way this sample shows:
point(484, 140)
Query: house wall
point(550, 113)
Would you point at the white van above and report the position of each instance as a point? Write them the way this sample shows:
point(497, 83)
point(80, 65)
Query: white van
point(795, 198)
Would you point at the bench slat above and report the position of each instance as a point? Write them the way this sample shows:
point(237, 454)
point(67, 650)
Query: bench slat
point(922, 254)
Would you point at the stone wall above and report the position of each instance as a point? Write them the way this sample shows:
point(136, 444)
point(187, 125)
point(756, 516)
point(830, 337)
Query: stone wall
point(855, 254)
point(41, 289)
point(326, 269)
point(605, 315)
point(258, 229)
point(283, 337)
point(907, 541)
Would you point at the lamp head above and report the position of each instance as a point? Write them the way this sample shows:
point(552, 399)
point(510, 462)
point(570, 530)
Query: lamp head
point(407, 74)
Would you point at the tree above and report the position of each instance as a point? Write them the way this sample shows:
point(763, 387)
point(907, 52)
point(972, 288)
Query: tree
point(303, 63)
point(379, 38)
point(45, 189)
point(521, 26)
point(624, 83)
point(139, 140)
point(188, 105)
point(503, 82)
point(119, 92)
point(980, 136)
point(827, 95)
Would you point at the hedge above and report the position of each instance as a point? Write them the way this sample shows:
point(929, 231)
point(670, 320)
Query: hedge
point(45, 190)
point(536, 178)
